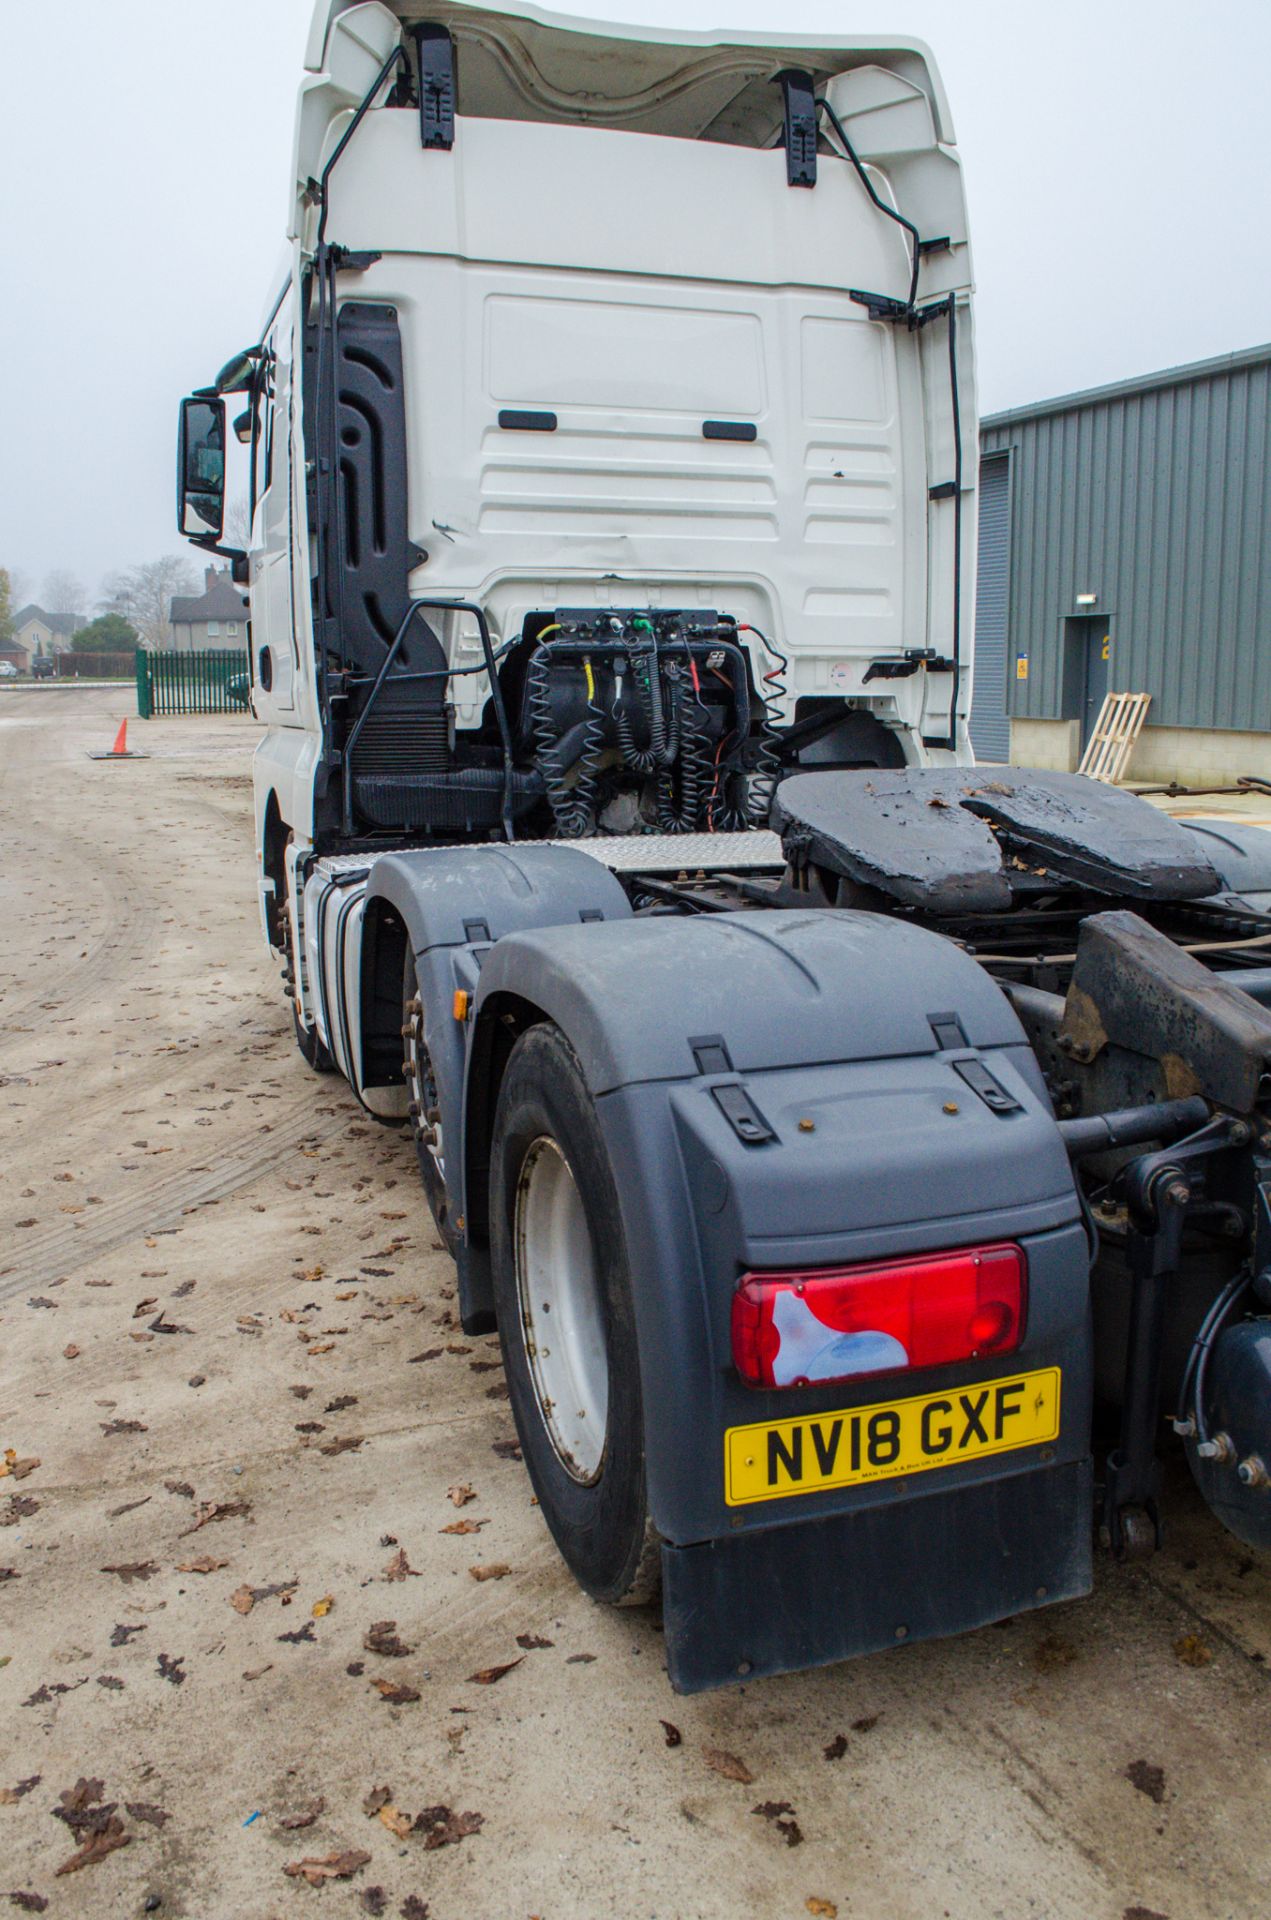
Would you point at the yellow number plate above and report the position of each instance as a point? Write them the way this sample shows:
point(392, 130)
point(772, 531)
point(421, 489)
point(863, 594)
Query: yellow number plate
point(775, 1458)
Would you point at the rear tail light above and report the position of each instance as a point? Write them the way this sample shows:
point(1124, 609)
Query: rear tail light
point(796, 1329)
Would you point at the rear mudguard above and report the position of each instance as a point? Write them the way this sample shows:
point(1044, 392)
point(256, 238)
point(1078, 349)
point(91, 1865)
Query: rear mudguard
point(706, 1042)
point(455, 903)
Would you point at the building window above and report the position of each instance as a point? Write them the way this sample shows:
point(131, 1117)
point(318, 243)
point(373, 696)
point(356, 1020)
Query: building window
point(213, 629)
point(232, 626)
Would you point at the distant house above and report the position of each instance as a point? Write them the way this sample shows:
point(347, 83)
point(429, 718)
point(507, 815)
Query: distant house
point(217, 617)
point(35, 631)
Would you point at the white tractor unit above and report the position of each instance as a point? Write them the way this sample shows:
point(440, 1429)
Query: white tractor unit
point(859, 1154)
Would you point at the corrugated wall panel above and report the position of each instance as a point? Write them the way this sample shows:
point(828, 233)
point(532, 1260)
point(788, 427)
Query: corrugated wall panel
point(990, 728)
point(1156, 499)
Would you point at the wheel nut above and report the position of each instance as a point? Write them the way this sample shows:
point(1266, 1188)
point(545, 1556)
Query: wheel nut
point(1219, 1448)
point(1252, 1472)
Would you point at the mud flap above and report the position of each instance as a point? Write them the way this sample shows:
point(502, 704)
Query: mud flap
point(793, 1597)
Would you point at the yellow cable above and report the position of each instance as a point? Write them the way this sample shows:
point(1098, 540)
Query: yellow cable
point(591, 684)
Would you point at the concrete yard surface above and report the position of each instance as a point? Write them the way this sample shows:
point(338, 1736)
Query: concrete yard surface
point(276, 1592)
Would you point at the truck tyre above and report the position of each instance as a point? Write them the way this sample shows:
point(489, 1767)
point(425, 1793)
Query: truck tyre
point(312, 1051)
point(425, 1116)
point(562, 1292)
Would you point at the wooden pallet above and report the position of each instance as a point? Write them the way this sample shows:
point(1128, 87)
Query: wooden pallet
point(1119, 725)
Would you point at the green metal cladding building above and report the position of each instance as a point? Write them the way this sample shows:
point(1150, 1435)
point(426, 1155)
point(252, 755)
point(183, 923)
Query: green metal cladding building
point(1125, 546)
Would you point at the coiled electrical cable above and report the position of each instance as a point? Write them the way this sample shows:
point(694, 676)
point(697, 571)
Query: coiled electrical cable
point(547, 747)
point(767, 770)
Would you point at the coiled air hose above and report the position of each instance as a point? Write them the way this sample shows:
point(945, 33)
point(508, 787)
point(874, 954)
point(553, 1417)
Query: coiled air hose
point(767, 771)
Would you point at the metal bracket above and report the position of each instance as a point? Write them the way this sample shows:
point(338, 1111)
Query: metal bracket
point(1158, 1193)
point(742, 1115)
point(436, 54)
point(800, 127)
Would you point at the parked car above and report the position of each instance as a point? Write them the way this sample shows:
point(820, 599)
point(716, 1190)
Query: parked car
point(42, 667)
point(7, 670)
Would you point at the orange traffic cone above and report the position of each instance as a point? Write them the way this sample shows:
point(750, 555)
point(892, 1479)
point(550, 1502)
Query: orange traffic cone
point(121, 750)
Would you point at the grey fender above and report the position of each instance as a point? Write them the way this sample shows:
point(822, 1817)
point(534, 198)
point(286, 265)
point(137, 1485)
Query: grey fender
point(455, 904)
point(1240, 854)
point(785, 1089)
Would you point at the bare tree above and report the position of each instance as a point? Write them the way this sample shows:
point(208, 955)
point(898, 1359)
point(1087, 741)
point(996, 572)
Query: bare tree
point(143, 594)
point(238, 524)
point(63, 593)
point(19, 587)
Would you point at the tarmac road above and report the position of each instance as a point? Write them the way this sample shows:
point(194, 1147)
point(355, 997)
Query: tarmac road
point(189, 1576)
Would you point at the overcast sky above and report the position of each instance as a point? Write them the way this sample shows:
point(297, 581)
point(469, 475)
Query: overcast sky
point(1115, 155)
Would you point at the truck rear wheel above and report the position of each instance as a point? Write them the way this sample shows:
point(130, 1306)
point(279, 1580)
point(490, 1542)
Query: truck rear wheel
point(312, 1051)
point(562, 1291)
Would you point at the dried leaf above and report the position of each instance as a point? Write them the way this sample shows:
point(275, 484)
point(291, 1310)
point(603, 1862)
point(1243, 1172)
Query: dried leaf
point(866, 1723)
point(145, 1810)
point(442, 1828)
point(9, 1796)
point(495, 1570)
point(460, 1495)
point(345, 1443)
point(395, 1820)
point(18, 1469)
point(301, 1393)
point(413, 1908)
point(122, 1635)
point(506, 1449)
point(109, 1427)
point(378, 1797)
point(206, 1563)
point(97, 1846)
point(1148, 1779)
point(294, 1638)
point(728, 1765)
point(111, 1682)
point(19, 1506)
point(837, 1747)
point(70, 1351)
point(374, 1900)
point(674, 1738)
point(218, 1510)
point(399, 1567)
point(321, 1608)
point(294, 1822)
point(825, 1909)
point(532, 1642)
point(134, 1570)
point(432, 1353)
point(172, 1667)
point(28, 1902)
point(322, 1346)
point(381, 1637)
point(143, 1307)
point(332, 1866)
point(182, 1487)
point(1192, 1651)
point(341, 1401)
point(396, 1693)
point(242, 1599)
point(129, 1506)
point(486, 1676)
point(464, 1526)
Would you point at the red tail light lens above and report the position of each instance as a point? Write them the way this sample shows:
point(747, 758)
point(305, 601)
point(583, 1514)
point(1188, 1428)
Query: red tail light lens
point(796, 1329)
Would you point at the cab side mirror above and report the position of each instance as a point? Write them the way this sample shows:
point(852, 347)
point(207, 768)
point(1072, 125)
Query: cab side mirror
point(201, 468)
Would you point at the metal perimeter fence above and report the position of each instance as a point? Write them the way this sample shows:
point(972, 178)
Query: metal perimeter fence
point(204, 682)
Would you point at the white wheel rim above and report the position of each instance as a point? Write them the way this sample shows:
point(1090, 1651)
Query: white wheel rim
point(561, 1321)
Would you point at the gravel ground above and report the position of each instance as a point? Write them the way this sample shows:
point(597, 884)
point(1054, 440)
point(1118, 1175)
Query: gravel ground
point(242, 1623)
